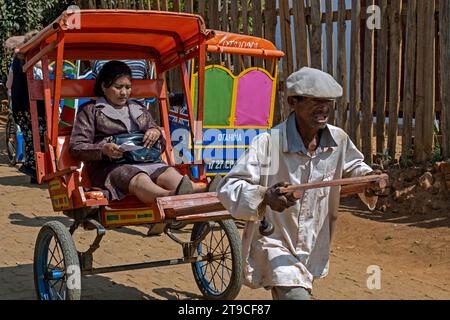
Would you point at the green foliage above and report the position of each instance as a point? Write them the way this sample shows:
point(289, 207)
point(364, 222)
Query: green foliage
point(18, 17)
point(384, 156)
point(407, 160)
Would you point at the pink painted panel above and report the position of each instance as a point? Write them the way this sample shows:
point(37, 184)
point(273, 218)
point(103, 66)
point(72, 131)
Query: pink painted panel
point(254, 95)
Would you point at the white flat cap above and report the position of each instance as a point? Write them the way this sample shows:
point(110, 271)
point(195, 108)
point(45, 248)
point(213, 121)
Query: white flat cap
point(309, 82)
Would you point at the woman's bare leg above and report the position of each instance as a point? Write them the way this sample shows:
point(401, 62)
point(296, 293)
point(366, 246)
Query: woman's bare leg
point(145, 189)
point(170, 179)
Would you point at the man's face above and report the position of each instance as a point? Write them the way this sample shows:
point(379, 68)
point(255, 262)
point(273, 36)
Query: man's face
point(312, 112)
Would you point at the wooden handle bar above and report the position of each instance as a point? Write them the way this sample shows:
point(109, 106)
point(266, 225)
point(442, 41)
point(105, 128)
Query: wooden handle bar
point(349, 185)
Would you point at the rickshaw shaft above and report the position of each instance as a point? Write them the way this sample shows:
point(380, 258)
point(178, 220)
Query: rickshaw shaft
point(153, 264)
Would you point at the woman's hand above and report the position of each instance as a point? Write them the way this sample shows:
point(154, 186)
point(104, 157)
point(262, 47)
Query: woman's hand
point(150, 137)
point(112, 151)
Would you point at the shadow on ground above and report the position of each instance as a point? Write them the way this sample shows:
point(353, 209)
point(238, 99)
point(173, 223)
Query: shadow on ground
point(37, 222)
point(437, 219)
point(18, 284)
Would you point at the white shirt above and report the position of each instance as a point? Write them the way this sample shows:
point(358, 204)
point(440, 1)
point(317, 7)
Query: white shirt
point(298, 250)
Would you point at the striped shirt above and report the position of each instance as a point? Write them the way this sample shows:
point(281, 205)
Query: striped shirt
point(139, 70)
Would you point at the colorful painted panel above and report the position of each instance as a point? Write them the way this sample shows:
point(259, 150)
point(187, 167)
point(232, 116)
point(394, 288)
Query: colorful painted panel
point(220, 149)
point(58, 195)
point(254, 97)
point(128, 217)
point(218, 97)
point(67, 107)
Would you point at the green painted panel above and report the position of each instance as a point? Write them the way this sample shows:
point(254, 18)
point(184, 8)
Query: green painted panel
point(218, 97)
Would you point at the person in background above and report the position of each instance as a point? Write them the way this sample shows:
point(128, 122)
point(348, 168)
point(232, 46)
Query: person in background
point(20, 106)
point(140, 69)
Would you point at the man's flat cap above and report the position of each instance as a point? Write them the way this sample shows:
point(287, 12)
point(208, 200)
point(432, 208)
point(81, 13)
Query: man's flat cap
point(308, 82)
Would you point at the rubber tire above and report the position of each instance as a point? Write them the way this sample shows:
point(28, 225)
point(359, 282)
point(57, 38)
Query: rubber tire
point(11, 130)
point(235, 283)
point(57, 230)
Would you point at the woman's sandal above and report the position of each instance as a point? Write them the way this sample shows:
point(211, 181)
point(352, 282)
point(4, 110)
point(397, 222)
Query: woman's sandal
point(214, 183)
point(185, 186)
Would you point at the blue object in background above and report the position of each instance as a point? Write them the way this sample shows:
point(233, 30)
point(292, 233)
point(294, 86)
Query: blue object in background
point(19, 138)
point(194, 171)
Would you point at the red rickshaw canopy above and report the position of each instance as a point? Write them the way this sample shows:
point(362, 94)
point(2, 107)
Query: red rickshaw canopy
point(165, 37)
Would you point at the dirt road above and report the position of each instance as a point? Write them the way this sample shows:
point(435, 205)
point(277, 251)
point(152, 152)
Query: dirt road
point(412, 252)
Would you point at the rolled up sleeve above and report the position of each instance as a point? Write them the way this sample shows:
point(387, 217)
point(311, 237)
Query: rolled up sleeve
point(356, 167)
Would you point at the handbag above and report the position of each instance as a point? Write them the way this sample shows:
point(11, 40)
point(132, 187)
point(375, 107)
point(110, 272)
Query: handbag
point(142, 155)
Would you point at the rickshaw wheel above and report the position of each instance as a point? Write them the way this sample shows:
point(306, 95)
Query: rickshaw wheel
point(57, 274)
point(11, 141)
point(218, 279)
point(178, 225)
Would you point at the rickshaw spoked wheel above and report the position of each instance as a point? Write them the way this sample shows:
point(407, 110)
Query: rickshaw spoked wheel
point(220, 276)
point(178, 225)
point(57, 274)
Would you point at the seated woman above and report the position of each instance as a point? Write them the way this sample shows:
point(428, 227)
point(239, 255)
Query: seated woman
point(112, 114)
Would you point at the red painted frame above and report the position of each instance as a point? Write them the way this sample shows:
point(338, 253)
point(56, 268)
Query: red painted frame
point(58, 42)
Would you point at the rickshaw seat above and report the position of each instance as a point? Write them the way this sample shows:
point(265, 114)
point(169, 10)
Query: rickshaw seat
point(65, 160)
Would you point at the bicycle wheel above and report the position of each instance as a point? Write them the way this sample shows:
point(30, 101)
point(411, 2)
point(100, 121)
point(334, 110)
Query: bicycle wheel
point(57, 274)
point(220, 276)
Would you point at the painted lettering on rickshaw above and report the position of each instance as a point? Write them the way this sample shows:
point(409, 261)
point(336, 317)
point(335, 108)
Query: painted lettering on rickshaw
point(239, 44)
point(229, 137)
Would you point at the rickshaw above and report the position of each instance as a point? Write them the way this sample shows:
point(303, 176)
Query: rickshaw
point(170, 40)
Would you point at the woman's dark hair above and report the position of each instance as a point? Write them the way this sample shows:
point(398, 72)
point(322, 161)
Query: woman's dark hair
point(110, 72)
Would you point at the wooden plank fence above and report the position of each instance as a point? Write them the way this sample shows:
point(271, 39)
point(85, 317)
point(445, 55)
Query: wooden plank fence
point(396, 77)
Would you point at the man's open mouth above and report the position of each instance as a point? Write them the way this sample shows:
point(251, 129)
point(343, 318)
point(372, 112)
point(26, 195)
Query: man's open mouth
point(321, 118)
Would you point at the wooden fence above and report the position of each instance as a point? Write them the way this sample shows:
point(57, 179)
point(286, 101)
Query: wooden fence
point(396, 72)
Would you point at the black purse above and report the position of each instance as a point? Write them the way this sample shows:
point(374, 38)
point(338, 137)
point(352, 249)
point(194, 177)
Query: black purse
point(142, 155)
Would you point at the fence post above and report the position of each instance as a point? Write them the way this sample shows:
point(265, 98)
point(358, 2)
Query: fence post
point(189, 6)
point(444, 30)
point(257, 24)
point(301, 36)
point(235, 29)
point(156, 5)
point(395, 62)
point(382, 60)
point(286, 42)
point(355, 74)
point(213, 23)
point(316, 33)
point(430, 80)
point(423, 142)
point(368, 79)
point(409, 74)
point(341, 68)
point(330, 47)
